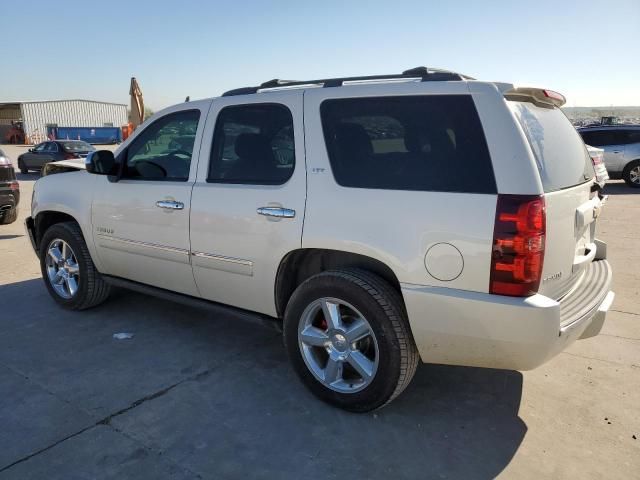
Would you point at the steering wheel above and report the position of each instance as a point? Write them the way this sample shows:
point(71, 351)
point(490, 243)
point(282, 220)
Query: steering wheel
point(163, 171)
point(179, 152)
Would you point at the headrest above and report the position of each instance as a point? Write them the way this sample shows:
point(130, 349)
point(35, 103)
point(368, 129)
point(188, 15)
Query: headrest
point(252, 145)
point(353, 140)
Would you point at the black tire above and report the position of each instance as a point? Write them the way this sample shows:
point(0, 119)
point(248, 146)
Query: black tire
point(626, 173)
point(92, 289)
point(9, 216)
point(383, 308)
point(23, 170)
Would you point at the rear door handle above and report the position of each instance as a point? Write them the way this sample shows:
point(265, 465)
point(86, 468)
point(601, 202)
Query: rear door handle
point(170, 204)
point(277, 212)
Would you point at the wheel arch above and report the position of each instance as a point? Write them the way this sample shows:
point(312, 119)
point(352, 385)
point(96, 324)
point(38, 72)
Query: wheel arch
point(301, 264)
point(45, 219)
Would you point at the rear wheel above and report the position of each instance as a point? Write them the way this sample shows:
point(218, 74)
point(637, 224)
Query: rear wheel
point(348, 339)
point(631, 174)
point(9, 216)
point(67, 268)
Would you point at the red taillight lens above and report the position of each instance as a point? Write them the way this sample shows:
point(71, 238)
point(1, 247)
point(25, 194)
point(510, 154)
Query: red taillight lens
point(554, 95)
point(14, 186)
point(71, 156)
point(518, 245)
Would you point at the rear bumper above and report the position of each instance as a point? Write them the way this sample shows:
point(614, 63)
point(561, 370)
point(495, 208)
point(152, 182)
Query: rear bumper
point(457, 327)
point(8, 199)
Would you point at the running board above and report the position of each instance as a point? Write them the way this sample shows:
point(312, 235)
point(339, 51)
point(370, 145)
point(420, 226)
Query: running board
point(190, 301)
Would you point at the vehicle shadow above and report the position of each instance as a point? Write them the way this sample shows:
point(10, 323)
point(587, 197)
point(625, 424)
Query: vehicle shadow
point(235, 405)
point(619, 188)
point(9, 237)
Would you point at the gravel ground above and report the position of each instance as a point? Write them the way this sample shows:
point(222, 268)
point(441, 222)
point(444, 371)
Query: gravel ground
point(196, 394)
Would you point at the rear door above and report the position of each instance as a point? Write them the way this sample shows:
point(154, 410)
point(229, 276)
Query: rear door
point(248, 202)
point(566, 172)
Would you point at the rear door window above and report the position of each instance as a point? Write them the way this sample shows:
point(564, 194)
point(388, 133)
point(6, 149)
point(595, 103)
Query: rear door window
point(560, 153)
point(253, 145)
point(427, 143)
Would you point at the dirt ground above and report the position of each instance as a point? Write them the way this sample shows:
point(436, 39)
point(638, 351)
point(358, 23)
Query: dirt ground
point(196, 394)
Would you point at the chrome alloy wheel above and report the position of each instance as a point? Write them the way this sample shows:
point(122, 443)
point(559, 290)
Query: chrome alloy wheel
point(338, 345)
point(62, 268)
point(634, 175)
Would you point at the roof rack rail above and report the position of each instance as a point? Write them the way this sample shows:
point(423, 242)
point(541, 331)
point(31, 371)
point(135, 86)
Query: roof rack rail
point(423, 73)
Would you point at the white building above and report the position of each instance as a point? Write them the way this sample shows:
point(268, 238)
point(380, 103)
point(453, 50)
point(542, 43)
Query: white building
point(37, 116)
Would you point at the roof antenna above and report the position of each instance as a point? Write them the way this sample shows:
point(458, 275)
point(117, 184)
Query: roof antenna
point(187, 99)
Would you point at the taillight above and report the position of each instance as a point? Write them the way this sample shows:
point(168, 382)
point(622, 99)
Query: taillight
point(71, 156)
point(14, 186)
point(518, 245)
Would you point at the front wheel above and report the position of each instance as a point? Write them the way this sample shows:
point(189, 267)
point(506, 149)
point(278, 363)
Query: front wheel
point(67, 269)
point(631, 174)
point(348, 339)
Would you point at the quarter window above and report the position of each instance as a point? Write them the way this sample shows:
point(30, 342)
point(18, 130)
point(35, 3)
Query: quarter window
point(164, 149)
point(253, 144)
point(428, 143)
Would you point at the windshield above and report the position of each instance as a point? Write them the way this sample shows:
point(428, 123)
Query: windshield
point(560, 153)
point(77, 147)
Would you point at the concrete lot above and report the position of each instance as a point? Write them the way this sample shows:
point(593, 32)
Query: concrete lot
point(200, 395)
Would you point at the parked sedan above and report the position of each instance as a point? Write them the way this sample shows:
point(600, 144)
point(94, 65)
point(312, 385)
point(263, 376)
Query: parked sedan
point(52, 151)
point(621, 144)
point(9, 191)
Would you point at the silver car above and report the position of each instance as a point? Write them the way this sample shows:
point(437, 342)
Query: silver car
point(621, 145)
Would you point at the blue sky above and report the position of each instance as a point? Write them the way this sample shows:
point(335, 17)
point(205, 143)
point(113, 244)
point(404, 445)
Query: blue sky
point(586, 49)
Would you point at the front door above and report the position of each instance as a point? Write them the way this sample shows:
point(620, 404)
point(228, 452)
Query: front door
point(35, 157)
point(249, 198)
point(141, 222)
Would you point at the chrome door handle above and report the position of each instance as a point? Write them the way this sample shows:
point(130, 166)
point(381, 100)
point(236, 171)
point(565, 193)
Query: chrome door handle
point(277, 212)
point(170, 204)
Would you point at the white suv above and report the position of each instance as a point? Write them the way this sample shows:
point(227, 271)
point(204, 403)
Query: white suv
point(385, 220)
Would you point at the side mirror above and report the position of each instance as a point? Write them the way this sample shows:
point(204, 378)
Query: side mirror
point(101, 162)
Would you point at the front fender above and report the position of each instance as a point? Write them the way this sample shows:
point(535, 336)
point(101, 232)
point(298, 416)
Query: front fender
point(70, 193)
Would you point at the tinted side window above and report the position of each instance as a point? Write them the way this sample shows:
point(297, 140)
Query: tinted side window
point(253, 144)
point(629, 136)
point(430, 143)
point(600, 138)
point(163, 150)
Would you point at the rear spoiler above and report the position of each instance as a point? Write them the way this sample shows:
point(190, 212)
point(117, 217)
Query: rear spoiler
point(537, 96)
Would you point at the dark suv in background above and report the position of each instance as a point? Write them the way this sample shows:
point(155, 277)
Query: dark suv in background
point(621, 144)
point(9, 191)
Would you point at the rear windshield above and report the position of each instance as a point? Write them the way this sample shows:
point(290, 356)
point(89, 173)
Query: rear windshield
point(427, 143)
point(77, 147)
point(560, 153)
